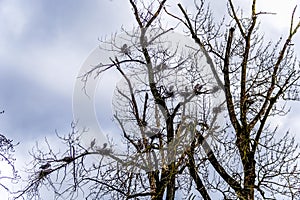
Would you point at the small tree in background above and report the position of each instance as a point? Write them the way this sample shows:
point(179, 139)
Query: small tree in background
point(8, 173)
point(175, 147)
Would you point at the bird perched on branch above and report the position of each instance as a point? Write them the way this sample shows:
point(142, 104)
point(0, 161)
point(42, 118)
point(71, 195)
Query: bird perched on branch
point(169, 92)
point(215, 89)
point(44, 172)
point(45, 166)
point(125, 49)
point(197, 89)
point(249, 102)
point(161, 67)
point(153, 133)
point(68, 159)
point(140, 144)
point(104, 145)
point(93, 142)
point(104, 150)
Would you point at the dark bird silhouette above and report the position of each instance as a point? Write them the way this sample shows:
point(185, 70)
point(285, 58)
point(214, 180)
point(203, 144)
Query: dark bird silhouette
point(139, 144)
point(125, 49)
point(249, 103)
point(45, 166)
point(149, 133)
point(93, 142)
point(197, 88)
point(104, 145)
point(215, 89)
point(153, 133)
point(68, 159)
point(161, 67)
point(43, 173)
point(186, 89)
point(204, 126)
point(170, 92)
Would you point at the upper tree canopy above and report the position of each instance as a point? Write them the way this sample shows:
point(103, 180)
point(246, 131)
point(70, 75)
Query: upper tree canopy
point(168, 106)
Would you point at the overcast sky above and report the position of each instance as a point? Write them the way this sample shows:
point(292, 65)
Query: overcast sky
point(43, 45)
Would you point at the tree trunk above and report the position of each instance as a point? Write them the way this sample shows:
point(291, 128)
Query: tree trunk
point(171, 182)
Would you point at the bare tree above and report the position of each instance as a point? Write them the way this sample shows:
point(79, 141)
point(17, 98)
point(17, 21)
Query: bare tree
point(8, 173)
point(258, 78)
point(174, 145)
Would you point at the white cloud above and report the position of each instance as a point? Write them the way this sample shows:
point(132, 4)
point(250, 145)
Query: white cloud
point(283, 10)
point(13, 17)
